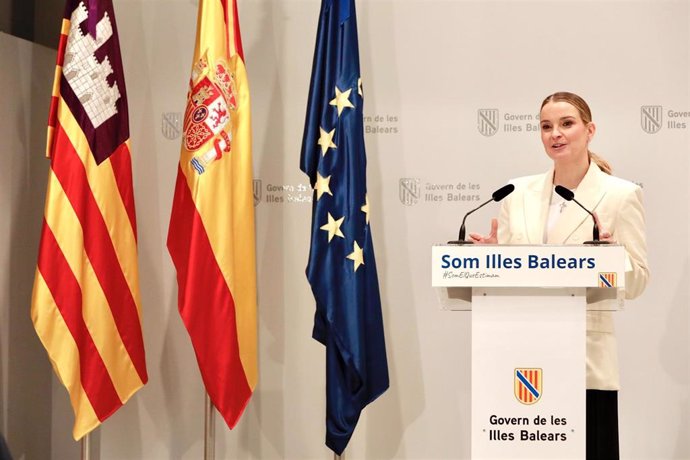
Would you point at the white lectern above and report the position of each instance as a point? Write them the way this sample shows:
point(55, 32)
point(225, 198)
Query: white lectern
point(528, 308)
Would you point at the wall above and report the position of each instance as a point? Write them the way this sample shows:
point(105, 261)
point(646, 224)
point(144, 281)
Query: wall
point(25, 373)
point(429, 68)
point(34, 20)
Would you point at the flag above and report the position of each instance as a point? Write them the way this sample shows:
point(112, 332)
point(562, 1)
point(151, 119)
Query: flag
point(211, 235)
point(341, 267)
point(85, 305)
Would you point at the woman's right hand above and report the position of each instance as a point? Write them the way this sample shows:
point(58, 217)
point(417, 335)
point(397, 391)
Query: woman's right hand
point(491, 238)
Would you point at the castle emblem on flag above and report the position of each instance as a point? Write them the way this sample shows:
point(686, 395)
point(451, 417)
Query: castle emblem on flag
point(528, 385)
point(607, 280)
point(86, 75)
point(208, 113)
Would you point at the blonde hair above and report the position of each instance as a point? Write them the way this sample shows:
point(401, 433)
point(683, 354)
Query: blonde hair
point(586, 115)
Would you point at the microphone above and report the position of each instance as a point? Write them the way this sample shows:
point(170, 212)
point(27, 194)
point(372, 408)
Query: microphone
point(568, 195)
point(497, 196)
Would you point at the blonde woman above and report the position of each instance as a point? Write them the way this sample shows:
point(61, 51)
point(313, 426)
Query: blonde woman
point(535, 214)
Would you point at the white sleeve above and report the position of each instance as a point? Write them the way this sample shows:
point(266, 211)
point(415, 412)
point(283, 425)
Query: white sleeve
point(630, 232)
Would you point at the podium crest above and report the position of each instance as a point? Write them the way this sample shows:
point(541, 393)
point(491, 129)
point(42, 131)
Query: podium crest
point(528, 385)
point(607, 279)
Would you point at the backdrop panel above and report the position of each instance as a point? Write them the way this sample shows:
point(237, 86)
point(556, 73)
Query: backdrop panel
point(452, 92)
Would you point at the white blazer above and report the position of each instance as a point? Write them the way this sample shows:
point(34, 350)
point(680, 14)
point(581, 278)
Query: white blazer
point(618, 204)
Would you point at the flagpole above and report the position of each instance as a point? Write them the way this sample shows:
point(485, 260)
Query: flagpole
point(209, 429)
point(339, 457)
point(86, 447)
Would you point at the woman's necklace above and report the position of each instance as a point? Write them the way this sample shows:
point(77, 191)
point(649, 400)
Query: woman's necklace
point(559, 202)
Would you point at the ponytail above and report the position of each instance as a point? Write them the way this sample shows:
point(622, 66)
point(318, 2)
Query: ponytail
point(599, 161)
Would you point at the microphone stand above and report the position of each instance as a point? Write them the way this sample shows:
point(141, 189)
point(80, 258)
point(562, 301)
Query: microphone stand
point(461, 234)
point(595, 241)
point(568, 195)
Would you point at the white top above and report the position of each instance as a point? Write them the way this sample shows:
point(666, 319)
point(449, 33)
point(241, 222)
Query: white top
point(556, 207)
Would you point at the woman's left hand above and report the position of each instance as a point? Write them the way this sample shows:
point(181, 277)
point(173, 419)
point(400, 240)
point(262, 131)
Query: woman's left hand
point(604, 235)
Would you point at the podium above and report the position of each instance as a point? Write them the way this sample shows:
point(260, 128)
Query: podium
point(529, 307)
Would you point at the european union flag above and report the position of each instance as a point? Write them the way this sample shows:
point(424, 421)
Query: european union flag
point(342, 268)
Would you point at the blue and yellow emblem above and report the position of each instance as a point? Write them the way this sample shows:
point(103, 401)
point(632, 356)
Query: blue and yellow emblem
point(528, 385)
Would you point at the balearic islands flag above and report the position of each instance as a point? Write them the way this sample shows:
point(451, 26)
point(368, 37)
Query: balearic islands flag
point(211, 235)
point(341, 267)
point(85, 305)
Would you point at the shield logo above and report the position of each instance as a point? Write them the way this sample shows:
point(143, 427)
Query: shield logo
point(487, 121)
point(206, 114)
point(171, 125)
point(651, 118)
point(409, 191)
point(528, 385)
point(257, 192)
point(607, 279)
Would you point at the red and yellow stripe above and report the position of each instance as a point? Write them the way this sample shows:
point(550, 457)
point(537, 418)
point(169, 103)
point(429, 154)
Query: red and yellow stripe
point(85, 306)
point(211, 236)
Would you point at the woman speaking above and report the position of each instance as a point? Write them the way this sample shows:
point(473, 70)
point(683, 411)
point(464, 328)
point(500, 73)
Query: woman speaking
point(536, 214)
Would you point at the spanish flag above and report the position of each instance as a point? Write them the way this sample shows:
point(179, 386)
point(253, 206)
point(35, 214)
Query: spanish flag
point(211, 235)
point(85, 306)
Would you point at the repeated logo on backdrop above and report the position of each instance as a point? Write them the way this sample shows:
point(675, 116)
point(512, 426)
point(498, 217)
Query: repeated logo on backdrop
point(492, 121)
point(412, 190)
point(256, 190)
point(409, 191)
point(487, 121)
point(171, 125)
point(385, 124)
point(273, 193)
point(652, 118)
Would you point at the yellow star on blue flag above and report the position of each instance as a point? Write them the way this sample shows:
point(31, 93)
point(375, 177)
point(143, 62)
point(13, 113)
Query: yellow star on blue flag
point(342, 271)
